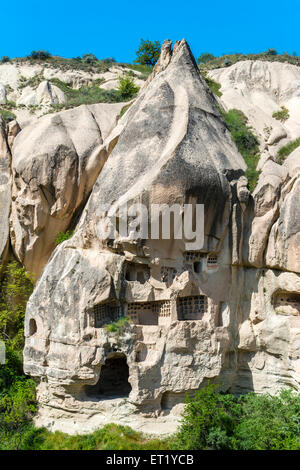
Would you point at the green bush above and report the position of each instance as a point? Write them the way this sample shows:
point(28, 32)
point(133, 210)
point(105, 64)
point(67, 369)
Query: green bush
point(16, 288)
point(250, 422)
point(89, 58)
point(63, 236)
point(108, 60)
point(227, 62)
point(118, 326)
point(206, 423)
point(148, 52)
point(17, 407)
point(287, 149)
point(127, 88)
point(6, 115)
point(281, 115)
point(214, 86)
point(271, 52)
point(205, 57)
point(90, 94)
point(246, 142)
point(40, 55)
point(4, 59)
point(17, 393)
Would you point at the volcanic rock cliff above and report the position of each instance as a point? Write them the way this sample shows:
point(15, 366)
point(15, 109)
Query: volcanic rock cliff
point(225, 312)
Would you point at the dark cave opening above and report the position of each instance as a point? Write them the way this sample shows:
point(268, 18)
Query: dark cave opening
point(113, 381)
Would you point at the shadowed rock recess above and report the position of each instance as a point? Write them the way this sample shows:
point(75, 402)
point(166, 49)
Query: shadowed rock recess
point(228, 313)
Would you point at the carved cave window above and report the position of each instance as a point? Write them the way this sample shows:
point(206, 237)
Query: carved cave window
point(147, 313)
point(287, 303)
point(191, 308)
point(106, 313)
point(137, 272)
point(212, 261)
point(167, 275)
point(113, 381)
point(191, 256)
point(32, 326)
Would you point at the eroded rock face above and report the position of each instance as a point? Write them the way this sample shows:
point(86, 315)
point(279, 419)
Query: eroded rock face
point(173, 148)
point(260, 88)
point(2, 94)
point(5, 191)
point(46, 94)
point(227, 312)
point(55, 163)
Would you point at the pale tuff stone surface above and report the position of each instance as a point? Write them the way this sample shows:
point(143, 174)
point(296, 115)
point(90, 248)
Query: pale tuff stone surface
point(228, 312)
point(2, 94)
point(56, 161)
point(46, 93)
point(5, 191)
point(30, 86)
point(260, 88)
point(174, 147)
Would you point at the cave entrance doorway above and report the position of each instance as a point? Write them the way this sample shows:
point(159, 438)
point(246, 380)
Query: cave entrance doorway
point(113, 381)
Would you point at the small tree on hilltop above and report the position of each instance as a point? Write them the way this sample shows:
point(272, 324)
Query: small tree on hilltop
point(89, 58)
point(205, 57)
point(148, 52)
point(40, 55)
point(271, 52)
point(127, 88)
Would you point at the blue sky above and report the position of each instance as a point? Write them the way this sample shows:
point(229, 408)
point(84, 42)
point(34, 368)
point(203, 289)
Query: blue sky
point(114, 28)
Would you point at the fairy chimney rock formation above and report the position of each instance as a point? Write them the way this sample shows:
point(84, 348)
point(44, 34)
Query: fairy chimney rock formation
point(192, 317)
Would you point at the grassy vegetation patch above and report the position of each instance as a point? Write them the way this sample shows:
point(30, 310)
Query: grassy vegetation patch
point(63, 236)
point(281, 115)
point(17, 392)
point(214, 86)
point(33, 82)
point(229, 59)
point(215, 421)
point(118, 326)
point(246, 142)
point(211, 420)
point(287, 149)
point(144, 69)
point(93, 93)
point(6, 115)
point(124, 109)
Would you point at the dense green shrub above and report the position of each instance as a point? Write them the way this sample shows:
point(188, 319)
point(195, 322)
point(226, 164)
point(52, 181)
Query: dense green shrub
point(89, 58)
point(108, 60)
point(127, 87)
point(17, 393)
point(16, 287)
point(148, 52)
point(214, 86)
point(206, 423)
point(218, 62)
point(6, 115)
point(287, 149)
point(4, 59)
point(271, 52)
point(40, 55)
point(63, 236)
point(281, 115)
point(227, 62)
point(118, 326)
point(250, 422)
point(205, 57)
point(246, 142)
point(93, 93)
